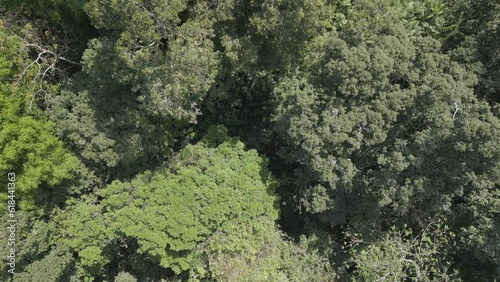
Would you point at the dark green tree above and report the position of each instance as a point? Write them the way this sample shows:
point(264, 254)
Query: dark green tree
point(142, 83)
point(161, 51)
point(476, 44)
point(379, 117)
point(380, 128)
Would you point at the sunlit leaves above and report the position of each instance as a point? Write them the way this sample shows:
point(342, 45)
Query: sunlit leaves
point(209, 189)
point(28, 144)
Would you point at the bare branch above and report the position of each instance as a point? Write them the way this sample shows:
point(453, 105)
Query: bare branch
point(457, 108)
point(47, 64)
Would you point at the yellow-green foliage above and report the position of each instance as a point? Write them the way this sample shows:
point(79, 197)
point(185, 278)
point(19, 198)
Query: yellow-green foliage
point(28, 145)
point(214, 188)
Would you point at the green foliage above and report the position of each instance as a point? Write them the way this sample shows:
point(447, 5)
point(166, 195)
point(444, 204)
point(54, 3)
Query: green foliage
point(477, 44)
point(125, 277)
point(154, 49)
point(428, 17)
point(51, 267)
point(383, 129)
point(401, 256)
point(376, 116)
point(28, 145)
point(266, 255)
point(32, 240)
point(372, 113)
point(67, 13)
point(205, 191)
point(260, 42)
point(113, 141)
point(138, 90)
point(272, 35)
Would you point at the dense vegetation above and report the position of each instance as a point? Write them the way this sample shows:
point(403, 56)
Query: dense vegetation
point(224, 140)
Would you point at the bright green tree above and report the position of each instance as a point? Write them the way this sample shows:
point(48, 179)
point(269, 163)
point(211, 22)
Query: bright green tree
point(28, 145)
point(210, 188)
point(210, 215)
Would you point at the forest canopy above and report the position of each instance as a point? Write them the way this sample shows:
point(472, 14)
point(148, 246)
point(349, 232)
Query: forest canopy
point(285, 140)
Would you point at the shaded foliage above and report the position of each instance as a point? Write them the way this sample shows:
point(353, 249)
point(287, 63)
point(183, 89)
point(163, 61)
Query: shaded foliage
point(378, 118)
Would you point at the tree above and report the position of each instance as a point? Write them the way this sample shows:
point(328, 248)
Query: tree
point(161, 51)
point(475, 45)
point(28, 145)
point(378, 130)
point(276, 258)
point(260, 43)
point(125, 277)
point(401, 256)
point(51, 267)
point(155, 81)
point(209, 189)
point(210, 215)
point(114, 141)
point(378, 117)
